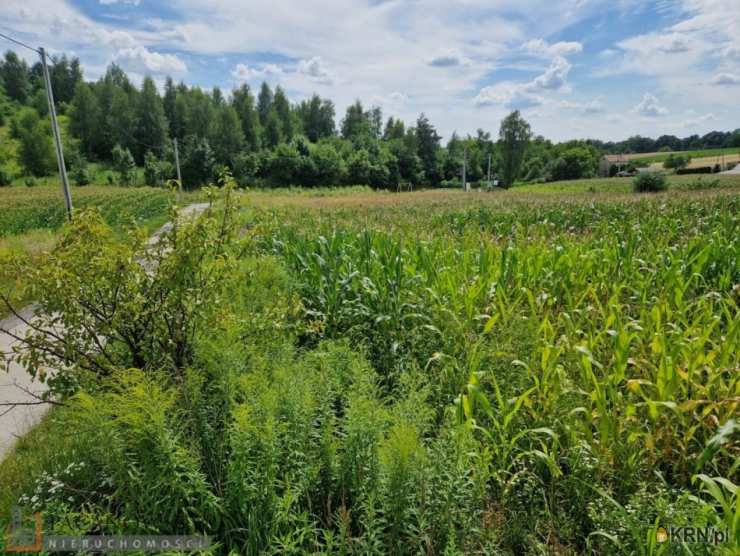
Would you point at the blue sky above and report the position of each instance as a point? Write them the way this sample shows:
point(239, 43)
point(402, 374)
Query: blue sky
point(576, 68)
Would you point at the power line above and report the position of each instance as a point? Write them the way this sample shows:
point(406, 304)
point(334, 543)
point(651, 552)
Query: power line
point(11, 39)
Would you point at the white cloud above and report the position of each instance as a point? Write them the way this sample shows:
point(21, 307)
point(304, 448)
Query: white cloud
point(726, 79)
point(142, 59)
point(526, 95)
point(650, 106)
point(511, 95)
point(317, 70)
point(555, 76)
point(539, 47)
point(243, 72)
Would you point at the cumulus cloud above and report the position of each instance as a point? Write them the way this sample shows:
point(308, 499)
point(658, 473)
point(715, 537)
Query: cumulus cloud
point(142, 59)
point(726, 79)
point(243, 72)
point(511, 95)
point(316, 70)
point(539, 47)
point(650, 106)
point(555, 76)
point(526, 95)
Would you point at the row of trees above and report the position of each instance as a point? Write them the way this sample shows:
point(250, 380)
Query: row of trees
point(264, 138)
point(667, 143)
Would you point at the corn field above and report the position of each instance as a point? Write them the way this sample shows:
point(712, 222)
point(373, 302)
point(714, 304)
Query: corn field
point(433, 375)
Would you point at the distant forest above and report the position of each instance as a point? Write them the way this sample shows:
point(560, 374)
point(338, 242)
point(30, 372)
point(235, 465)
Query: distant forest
point(263, 137)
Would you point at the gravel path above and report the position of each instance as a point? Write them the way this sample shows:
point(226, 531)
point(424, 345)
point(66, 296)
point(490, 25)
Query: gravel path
point(17, 387)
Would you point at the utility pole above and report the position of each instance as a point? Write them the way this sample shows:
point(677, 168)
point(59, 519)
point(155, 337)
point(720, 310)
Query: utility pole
point(489, 170)
point(464, 169)
point(57, 135)
point(177, 164)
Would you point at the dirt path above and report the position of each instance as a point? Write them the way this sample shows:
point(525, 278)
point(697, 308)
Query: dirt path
point(17, 387)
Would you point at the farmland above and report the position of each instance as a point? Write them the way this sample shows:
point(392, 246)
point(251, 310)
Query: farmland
point(651, 158)
point(31, 217)
point(550, 369)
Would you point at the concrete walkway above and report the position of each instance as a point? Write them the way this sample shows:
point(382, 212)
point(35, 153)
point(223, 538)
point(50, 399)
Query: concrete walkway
point(17, 387)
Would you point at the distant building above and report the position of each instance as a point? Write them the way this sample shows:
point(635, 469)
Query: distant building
point(609, 160)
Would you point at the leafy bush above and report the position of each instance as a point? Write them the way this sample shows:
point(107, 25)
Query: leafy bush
point(649, 182)
point(197, 162)
point(5, 177)
point(180, 273)
point(123, 163)
point(156, 171)
point(30, 181)
point(81, 173)
point(676, 161)
point(36, 151)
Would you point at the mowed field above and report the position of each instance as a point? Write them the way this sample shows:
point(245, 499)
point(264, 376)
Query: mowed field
point(651, 158)
point(553, 369)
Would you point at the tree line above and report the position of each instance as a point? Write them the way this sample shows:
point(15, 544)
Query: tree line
point(261, 136)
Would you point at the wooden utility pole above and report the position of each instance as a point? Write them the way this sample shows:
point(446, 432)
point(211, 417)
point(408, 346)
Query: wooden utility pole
point(57, 135)
point(177, 165)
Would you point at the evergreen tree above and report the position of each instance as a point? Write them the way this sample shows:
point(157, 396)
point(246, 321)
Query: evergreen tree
point(273, 133)
point(168, 102)
point(317, 118)
point(282, 108)
point(14, 74)
point(151, 123)
point(84, 122)
point(394, 129)
point(243, 102)
point(36, 151)
point(356, 123)
point(199, 113)
point(121, 120)
point(264, 103)
point(427, 140)
point(227, 138)
point(514, 136)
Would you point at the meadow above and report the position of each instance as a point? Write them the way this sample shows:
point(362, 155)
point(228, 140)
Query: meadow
point(434, 372)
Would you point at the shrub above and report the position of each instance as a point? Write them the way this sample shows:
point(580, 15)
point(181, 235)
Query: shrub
point(5, 178)
point(197, 162)
point(650, 182)
point(156, 171)
point(700, 170)
point(123, 163)
point(30, 181)
point(676, 161)
point(81, 173)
